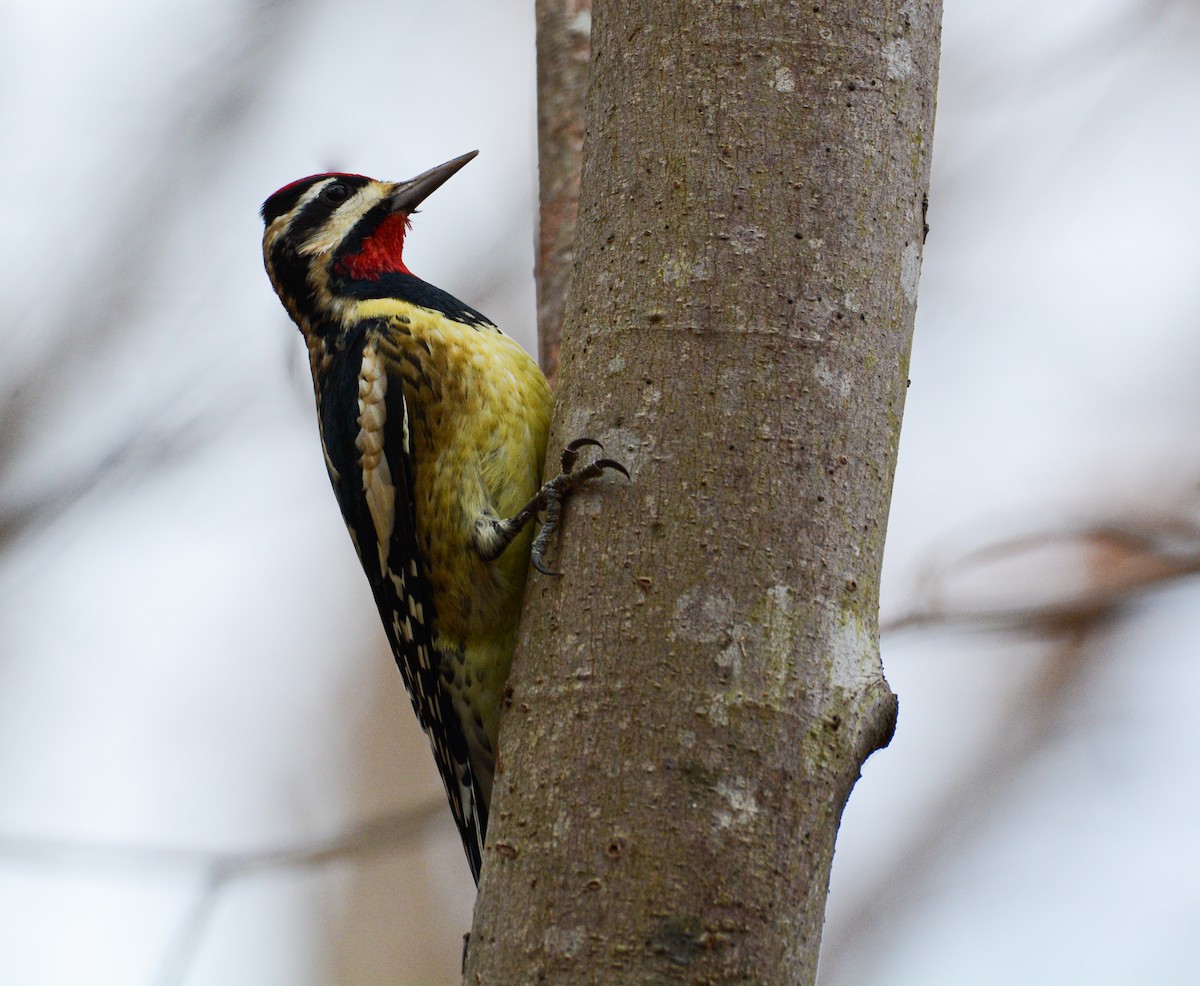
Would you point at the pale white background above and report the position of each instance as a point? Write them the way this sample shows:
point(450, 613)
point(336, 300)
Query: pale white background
point(190, 664)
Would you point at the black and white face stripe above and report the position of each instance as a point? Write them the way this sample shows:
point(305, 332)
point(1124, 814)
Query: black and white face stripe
point(287, 198)
point(305, 220)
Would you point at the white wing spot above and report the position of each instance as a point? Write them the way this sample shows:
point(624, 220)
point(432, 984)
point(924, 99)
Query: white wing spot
point(404, 437)
point(376, 474)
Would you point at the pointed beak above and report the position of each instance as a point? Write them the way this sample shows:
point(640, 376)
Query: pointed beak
point(407, 195)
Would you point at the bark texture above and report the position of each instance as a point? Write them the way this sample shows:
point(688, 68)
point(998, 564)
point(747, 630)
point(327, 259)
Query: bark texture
point(563, 33)
point(693, 699)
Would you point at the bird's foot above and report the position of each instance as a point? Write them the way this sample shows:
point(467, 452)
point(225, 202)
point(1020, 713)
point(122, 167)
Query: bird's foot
point(551, 496)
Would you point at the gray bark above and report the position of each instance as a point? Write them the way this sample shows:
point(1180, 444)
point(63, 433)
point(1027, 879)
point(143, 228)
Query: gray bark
point(692, 701)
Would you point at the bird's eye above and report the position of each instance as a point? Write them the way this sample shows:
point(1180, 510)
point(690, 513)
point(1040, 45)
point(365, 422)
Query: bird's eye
point(335, 194)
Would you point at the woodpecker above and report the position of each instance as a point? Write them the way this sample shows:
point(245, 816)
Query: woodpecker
point(434, 427)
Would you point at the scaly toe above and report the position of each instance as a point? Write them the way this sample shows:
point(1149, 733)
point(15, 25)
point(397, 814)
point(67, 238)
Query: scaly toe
point(571, 452)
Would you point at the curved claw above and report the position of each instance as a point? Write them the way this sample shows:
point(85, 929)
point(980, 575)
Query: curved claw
point(551, 496)
point(612, 464)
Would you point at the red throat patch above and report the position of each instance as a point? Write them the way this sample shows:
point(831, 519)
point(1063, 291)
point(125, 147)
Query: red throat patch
point(382, 252)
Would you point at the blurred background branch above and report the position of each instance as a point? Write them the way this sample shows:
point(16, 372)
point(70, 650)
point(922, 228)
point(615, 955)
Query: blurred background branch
point(563, 36)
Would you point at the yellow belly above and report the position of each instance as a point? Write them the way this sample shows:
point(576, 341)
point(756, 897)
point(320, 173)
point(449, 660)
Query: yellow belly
point(479, 412)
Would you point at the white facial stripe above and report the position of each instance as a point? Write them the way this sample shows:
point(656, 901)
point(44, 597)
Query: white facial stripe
point(308, 196)
point(342, 221)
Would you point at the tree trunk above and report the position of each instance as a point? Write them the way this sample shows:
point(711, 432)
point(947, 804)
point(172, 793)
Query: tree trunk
point(692, 701)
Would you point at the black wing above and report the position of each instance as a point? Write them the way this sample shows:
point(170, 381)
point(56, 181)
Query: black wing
point(395, 567)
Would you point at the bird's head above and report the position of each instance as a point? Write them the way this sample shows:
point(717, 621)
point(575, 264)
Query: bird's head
point(334, 238)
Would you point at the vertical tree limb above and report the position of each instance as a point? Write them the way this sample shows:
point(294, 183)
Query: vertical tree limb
point(692, 701)
point(563, 34)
